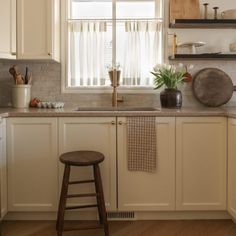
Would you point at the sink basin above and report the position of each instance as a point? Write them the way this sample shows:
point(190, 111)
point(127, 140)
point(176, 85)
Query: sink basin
point(117, 109)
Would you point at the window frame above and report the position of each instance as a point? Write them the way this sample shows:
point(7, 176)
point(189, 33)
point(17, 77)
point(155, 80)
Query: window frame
point(159, 12)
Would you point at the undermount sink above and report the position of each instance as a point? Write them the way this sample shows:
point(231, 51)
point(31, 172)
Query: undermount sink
point(117, 109)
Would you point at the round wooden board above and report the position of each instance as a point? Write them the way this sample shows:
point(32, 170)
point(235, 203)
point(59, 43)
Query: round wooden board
point(212, 87)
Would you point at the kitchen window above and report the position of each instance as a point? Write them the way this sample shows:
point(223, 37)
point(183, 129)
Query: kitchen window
point(102, 34)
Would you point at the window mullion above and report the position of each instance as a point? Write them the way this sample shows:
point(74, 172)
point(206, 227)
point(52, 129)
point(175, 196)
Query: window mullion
point(113, 33)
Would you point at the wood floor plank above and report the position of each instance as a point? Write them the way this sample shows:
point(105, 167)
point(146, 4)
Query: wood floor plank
point(130, 228)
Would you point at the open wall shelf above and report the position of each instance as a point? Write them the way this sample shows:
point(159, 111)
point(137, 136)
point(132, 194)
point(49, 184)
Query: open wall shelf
point(205, 56)
point(203, 24)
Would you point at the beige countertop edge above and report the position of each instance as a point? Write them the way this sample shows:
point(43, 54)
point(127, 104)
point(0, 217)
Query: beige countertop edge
point(70, 112)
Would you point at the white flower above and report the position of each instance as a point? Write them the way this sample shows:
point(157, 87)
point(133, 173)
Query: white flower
point(157, 67)
point(173, 68)
point(168, 67)
point(190, 67)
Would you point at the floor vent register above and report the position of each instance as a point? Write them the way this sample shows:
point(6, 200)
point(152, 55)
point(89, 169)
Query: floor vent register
point(124, 215)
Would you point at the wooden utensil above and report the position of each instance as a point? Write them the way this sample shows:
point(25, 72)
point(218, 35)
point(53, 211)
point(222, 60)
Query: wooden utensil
point(212, 87)
point(184, 9)
point(19, 79)
point(26, 75)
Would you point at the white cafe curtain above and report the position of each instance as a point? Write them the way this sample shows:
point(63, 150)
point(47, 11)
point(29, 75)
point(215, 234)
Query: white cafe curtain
point(87, 53)
point(141, 51)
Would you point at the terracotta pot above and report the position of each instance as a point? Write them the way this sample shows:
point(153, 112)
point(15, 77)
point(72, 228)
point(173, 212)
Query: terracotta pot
point(171, 98)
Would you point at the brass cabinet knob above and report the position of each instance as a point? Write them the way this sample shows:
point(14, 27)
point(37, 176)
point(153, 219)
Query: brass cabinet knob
point(120, 123)
point(113, 122)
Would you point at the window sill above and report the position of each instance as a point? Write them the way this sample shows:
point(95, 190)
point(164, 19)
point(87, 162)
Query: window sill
point(107, 90)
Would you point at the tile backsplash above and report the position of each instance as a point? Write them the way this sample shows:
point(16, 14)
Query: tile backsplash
point(47, 85)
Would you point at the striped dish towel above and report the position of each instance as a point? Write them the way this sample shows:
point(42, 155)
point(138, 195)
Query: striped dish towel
point(141, 132)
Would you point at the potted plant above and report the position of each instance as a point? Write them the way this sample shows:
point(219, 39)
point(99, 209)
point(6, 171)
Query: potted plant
point(169, 76)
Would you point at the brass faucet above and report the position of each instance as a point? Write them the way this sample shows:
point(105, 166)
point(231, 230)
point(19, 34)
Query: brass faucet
point(115, 78)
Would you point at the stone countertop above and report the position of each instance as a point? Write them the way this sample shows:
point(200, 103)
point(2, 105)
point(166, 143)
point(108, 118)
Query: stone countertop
point(71, 112)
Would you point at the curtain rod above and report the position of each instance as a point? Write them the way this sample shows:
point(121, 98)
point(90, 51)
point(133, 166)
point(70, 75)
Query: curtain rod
point(121, 19)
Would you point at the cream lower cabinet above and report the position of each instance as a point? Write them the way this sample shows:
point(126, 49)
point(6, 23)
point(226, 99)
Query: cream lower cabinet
point(201, 157)
point(232, 167)
point(32, 164)
point(140, 191)
point(3, 167)
point(96, 134)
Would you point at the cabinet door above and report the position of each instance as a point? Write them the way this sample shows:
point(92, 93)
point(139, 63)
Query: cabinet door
point(95, 134)
point(232, 167)
point(141, 191)
point(201, 154)
point(36, 25)
point(32, 164)
point(3, 167)
point(8, 29)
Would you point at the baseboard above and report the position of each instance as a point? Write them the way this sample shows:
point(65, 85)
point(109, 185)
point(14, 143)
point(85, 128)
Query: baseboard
point(177, 215)
point(183, 215)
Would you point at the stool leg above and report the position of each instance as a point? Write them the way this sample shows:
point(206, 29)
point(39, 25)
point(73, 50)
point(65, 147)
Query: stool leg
point(98, 197)
point(101, 202)
point(62, 204)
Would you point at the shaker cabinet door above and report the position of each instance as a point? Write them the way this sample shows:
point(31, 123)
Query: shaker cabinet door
point(8, 29)
point(92, 134)
point(38, 29)
point(232, 167)
point(32, 164)
point(141, 191)
point(201, 158)
point(3, 167)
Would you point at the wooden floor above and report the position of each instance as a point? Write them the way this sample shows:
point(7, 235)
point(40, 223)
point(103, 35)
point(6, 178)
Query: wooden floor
point(135, 228)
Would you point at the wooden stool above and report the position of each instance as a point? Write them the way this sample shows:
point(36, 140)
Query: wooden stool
point(82, 158)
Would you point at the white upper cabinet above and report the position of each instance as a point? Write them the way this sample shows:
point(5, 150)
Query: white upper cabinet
point(30, 29)
point(201, 157)
point(8, 29)
point(38, 25)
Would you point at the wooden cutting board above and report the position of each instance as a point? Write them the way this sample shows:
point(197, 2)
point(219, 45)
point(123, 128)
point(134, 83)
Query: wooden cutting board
point(184, 9)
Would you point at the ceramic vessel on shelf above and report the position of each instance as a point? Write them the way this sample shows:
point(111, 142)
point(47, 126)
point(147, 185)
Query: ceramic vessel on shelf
point(232, 47)
point(191, 45)
point(229, 14)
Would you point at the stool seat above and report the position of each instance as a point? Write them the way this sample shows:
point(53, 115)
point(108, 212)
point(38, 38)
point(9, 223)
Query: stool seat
point(82, 158)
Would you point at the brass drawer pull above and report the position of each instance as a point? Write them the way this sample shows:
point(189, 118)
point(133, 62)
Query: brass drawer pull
point(113, 122)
